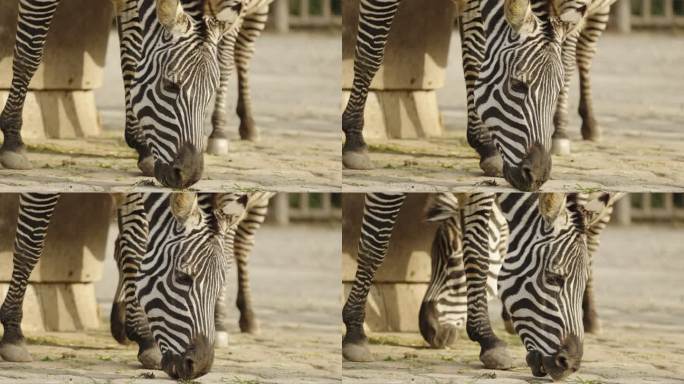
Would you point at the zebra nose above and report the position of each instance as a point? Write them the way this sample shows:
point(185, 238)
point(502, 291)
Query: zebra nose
point(195, 362)
point(185, 170)
point(533, 170)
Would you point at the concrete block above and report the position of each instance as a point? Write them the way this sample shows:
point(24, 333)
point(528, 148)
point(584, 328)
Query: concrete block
point(59, 115)
point(68, 307)
point(73, 252)
point(392, 307)
point(408, 258)
point(75, 49)
point(416, 51)
point(400, 115)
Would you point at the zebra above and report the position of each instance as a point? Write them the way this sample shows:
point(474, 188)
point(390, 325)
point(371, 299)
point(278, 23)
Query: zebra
point(174, 59)
point(513, 73)
point(550, 225)
point(443, 308)
point(173, 252)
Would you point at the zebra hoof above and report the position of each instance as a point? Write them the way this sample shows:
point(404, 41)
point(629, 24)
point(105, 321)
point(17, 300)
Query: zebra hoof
point(560, 146)
point(249, 324)
point(146, 166)
point(496, 358)
point(16, 353)
point(492, 166)
point(217, 146)
point(356, 160)
point(357, 352)
point(592, 326)
point(248, 131)
point(14, 160)
point(221, 339)
point(150, 358)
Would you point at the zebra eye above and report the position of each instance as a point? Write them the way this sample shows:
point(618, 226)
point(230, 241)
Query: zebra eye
point(183, 278)
point(554, 279)
point(518, 85)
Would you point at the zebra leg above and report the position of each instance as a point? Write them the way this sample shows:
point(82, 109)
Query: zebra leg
point(33, 24)
point(250, 31)
point(477, 211)
point(35, 211)
point(590, 317)
point(479, 137)
point(560, 144)
point(131, 245)
point(218, 140)
point(586, 48)
point(375, 19)
point(379, 215)
point(508, 323)
point(130, 51)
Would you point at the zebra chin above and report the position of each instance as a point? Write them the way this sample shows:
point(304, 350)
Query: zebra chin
point(561, 364)
point(195, 362)
point(532, 172)
point(185, 170)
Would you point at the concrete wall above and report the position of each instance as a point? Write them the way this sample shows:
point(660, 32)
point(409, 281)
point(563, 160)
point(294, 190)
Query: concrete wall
point(61, 103)
point(403, 103)
point(400, 283)
point(61, 295)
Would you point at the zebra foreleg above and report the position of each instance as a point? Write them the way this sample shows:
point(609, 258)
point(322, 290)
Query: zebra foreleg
point(477, 211)
point(560, 144)
point(586, 48)
point(35, 211)
point(33, 24)
point(375, 19)
point(131, 245)
point(479, 137)
point(379, 215)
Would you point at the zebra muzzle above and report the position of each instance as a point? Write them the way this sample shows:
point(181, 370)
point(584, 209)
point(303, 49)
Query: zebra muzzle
point(195, 362)
point(532, 172)
point(185, 170)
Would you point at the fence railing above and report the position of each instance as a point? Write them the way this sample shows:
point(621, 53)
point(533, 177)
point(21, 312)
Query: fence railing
point(286, 207)
point(306, 13)
point(650, 207)
point(657, 13)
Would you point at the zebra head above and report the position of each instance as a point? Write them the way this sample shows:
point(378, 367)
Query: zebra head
point(544, 275)
point(176, 79)
point(518, 84)
point(185, 266)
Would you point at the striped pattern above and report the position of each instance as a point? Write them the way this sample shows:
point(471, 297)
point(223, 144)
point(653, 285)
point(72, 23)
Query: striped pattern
point(173, 259)
point(170, 75)
point(542, 280)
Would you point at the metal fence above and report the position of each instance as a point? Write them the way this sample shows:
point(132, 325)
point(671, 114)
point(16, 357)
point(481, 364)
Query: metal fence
point(306, 13)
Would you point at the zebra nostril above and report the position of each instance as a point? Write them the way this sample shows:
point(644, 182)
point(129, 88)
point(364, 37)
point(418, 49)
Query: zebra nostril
point(189, 364)
point(562, 361)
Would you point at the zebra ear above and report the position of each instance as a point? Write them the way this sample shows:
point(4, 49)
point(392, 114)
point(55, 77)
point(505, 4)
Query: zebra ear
point(185, 209)
point(441, 207)
point(229, 209)
point(551, 206)
point(172, 16)
point(222, 15)
point(596, 209)
point(519, 15)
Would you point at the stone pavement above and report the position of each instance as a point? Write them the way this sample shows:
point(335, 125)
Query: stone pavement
point(640, 302)
point(639, 104)
point(296, 107)
point(296, 291)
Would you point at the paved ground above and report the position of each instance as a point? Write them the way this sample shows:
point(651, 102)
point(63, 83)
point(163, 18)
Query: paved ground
point(639, 104)
point(296, 102)
point(641, 304)
point(296, 292)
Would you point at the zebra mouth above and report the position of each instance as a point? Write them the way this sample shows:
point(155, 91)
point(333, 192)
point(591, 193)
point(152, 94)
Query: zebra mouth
point(195, 362)
point(185, 170)
point(532, 172)
point(558, 367)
